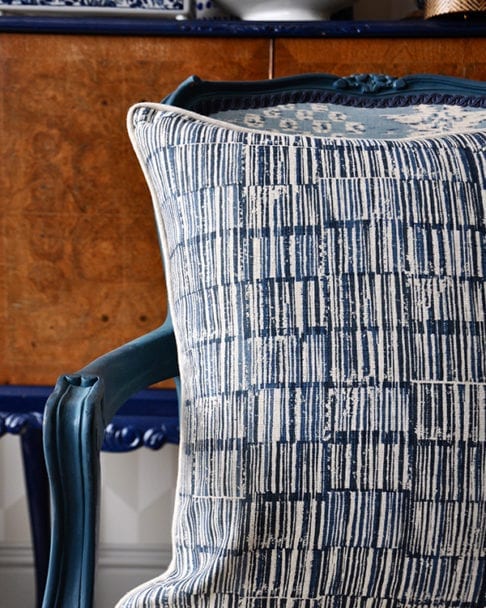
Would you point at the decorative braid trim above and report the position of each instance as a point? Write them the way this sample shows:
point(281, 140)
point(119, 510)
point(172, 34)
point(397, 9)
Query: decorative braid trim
point(208, 106)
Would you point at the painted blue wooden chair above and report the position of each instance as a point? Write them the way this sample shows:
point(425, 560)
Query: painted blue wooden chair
point(323, 240)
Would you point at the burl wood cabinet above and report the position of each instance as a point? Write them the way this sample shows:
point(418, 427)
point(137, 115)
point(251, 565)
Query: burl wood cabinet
point(80, 271)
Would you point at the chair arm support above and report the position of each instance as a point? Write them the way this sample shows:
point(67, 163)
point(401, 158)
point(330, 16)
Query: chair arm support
point(134, 366)
point(76, 414)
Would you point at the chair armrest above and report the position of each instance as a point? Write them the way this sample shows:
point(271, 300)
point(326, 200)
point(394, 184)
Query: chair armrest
point(80, 407)
point(132, 367)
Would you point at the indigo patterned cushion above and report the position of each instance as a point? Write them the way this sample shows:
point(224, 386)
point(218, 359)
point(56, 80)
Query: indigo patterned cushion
point(328, 303)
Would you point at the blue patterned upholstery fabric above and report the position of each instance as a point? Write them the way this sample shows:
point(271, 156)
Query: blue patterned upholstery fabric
point(328, 301)
point(333, 120)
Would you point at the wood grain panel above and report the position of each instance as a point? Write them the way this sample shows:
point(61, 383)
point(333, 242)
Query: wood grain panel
point(3, 286)
point(449, 56)
point(81, 271)
point(79, 260)
point(475, 58)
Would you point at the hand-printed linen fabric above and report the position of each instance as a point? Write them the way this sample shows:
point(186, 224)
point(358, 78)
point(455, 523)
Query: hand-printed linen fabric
point(334, 120)
point(328, 301)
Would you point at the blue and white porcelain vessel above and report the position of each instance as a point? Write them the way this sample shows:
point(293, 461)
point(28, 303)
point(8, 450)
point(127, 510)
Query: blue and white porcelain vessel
point(208, 9)
point(132, 8)
point(284, 10)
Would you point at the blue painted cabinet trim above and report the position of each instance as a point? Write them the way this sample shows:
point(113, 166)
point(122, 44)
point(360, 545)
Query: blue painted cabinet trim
point(147, 419)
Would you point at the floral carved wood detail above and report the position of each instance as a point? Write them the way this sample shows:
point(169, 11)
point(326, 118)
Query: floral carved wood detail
point(370, 83)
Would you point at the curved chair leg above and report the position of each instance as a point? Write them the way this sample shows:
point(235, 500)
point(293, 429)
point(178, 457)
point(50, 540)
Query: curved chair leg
point(73, 432)
point(37, 487)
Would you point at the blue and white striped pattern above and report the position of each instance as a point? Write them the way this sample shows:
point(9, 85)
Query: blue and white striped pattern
point(328, 300)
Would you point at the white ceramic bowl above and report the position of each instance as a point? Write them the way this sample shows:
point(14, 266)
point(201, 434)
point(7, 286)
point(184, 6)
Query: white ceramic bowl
point(284, 10)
